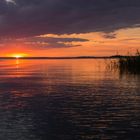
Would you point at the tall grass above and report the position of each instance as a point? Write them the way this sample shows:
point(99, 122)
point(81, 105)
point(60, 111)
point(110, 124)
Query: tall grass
point(130, 64)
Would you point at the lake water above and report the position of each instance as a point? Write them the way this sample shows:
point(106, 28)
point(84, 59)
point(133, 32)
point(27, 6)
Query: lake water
point(67, 100)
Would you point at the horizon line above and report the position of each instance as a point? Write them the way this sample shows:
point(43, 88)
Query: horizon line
point(67, 57)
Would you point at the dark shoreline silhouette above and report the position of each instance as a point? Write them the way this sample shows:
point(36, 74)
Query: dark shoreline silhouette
point(77, 57)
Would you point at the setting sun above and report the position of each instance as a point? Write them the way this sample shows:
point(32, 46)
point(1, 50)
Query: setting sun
point(18, 55)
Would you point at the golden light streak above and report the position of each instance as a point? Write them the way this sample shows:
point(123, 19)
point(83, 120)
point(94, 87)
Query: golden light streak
point(18, 55)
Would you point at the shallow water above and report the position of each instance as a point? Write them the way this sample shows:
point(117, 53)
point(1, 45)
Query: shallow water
point(67, 100)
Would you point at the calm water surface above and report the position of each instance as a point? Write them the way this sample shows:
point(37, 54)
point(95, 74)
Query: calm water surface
point(67, 100)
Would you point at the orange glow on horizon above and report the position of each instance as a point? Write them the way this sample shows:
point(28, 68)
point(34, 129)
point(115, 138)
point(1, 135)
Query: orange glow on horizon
point(123, 41)
point(17, 55)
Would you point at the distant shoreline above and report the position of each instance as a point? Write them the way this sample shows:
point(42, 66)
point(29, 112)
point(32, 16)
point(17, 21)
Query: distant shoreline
point(78, 57)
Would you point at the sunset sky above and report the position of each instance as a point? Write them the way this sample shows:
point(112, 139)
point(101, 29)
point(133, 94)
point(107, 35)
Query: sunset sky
point(69, 27)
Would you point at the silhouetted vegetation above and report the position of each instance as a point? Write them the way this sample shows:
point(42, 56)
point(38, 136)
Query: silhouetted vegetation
point(128, 64)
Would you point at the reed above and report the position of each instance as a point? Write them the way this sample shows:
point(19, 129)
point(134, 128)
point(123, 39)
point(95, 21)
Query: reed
point(130, 64)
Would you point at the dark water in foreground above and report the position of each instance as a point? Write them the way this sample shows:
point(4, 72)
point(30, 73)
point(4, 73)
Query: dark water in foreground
point(67, 100)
